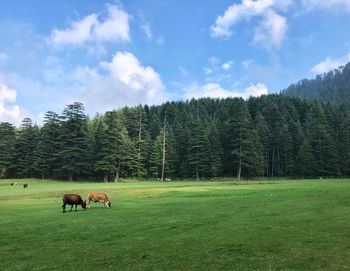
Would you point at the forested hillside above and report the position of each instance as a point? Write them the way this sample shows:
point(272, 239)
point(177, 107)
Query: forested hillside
point(333, 87)
point(269, 136)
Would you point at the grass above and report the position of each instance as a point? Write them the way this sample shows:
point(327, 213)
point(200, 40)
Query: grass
point(280, 225)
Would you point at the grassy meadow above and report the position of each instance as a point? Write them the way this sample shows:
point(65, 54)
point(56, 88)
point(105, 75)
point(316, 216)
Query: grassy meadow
point(279, 225)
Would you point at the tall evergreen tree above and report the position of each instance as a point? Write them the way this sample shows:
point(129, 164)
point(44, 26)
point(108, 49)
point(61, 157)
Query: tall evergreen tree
point(73, 150)
point(199, 148)
point(45, 155)
point(244, 151)
point(323, 146)
point(26, 143)
point(156, 158)
point(7, 148)
point(263, 139)
point(305, 164)
point(215, 152)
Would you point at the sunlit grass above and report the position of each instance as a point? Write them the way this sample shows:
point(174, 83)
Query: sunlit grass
point(280, 225)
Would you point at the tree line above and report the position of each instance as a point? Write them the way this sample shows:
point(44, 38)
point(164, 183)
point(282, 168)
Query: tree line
point(333, 86)
point(270, 136)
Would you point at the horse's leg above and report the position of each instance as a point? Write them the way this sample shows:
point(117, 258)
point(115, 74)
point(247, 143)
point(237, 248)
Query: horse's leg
point(71, 207)
point(75, 207)
point(64, 208)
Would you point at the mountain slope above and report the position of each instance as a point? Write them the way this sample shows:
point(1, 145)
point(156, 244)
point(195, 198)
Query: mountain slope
point(333, 87)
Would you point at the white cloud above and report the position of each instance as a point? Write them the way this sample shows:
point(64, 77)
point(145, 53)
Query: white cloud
point(112, 84)
point(214, 90)
point(227, 65)
point(255, 90)
point(146, 28)
point(125, 81)
point(208, 71)
point(218, 77)
point(114, 28)
point(78, 32)
point(328, 4)
point(235, 13)
point(247, 63)
point(272, 28)
point(9, 112)
point(216, 71)
point(330, 64)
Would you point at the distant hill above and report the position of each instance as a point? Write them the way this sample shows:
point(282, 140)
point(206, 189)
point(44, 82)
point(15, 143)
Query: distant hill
point(333, 87)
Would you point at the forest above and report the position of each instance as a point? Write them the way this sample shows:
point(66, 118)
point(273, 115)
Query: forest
point(332, 86)
point(269, 136)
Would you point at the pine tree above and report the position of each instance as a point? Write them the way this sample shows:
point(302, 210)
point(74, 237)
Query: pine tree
point(103, 150)
point(7, 148)
point(45, 155)
point(322, 143)
point(342, 131)
point(305, 164)
point(244, 152)
point(157, 158)
point(199, 148)
point(182, 135)
point(215, 152)
point(263, 141)
point(136, 124)
point(26, 142)
point(116, 153)
point(73, 139)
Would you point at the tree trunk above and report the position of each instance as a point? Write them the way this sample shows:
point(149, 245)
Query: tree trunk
point(197, 173)
point(239, 171)
point(285, 164)
point(273, 162)
point(105, 177)
point(140, 135)
point(116, 179)
point(52, 174)
point(70, 176)
point(267, 164)
point(163, 160)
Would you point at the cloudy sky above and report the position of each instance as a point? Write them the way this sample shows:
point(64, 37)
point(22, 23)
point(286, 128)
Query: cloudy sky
point(116, 53)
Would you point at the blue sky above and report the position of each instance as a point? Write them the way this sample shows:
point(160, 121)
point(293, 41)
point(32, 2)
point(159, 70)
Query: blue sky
point(116, 53)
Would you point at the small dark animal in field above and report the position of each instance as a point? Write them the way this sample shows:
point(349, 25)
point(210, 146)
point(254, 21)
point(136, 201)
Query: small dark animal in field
point(25, 185)
point(12, 184)
point(73, 199)
point(98, 197)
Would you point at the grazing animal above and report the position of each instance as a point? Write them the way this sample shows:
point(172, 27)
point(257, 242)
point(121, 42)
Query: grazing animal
point(98, 197)
point(73, 199)
point(12, 184)
point(25, 185)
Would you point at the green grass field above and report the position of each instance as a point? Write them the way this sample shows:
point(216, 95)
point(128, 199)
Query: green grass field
point(280, 225)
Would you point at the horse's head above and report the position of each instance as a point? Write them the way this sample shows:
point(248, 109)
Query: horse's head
point(83, 204)
point(109, 204)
